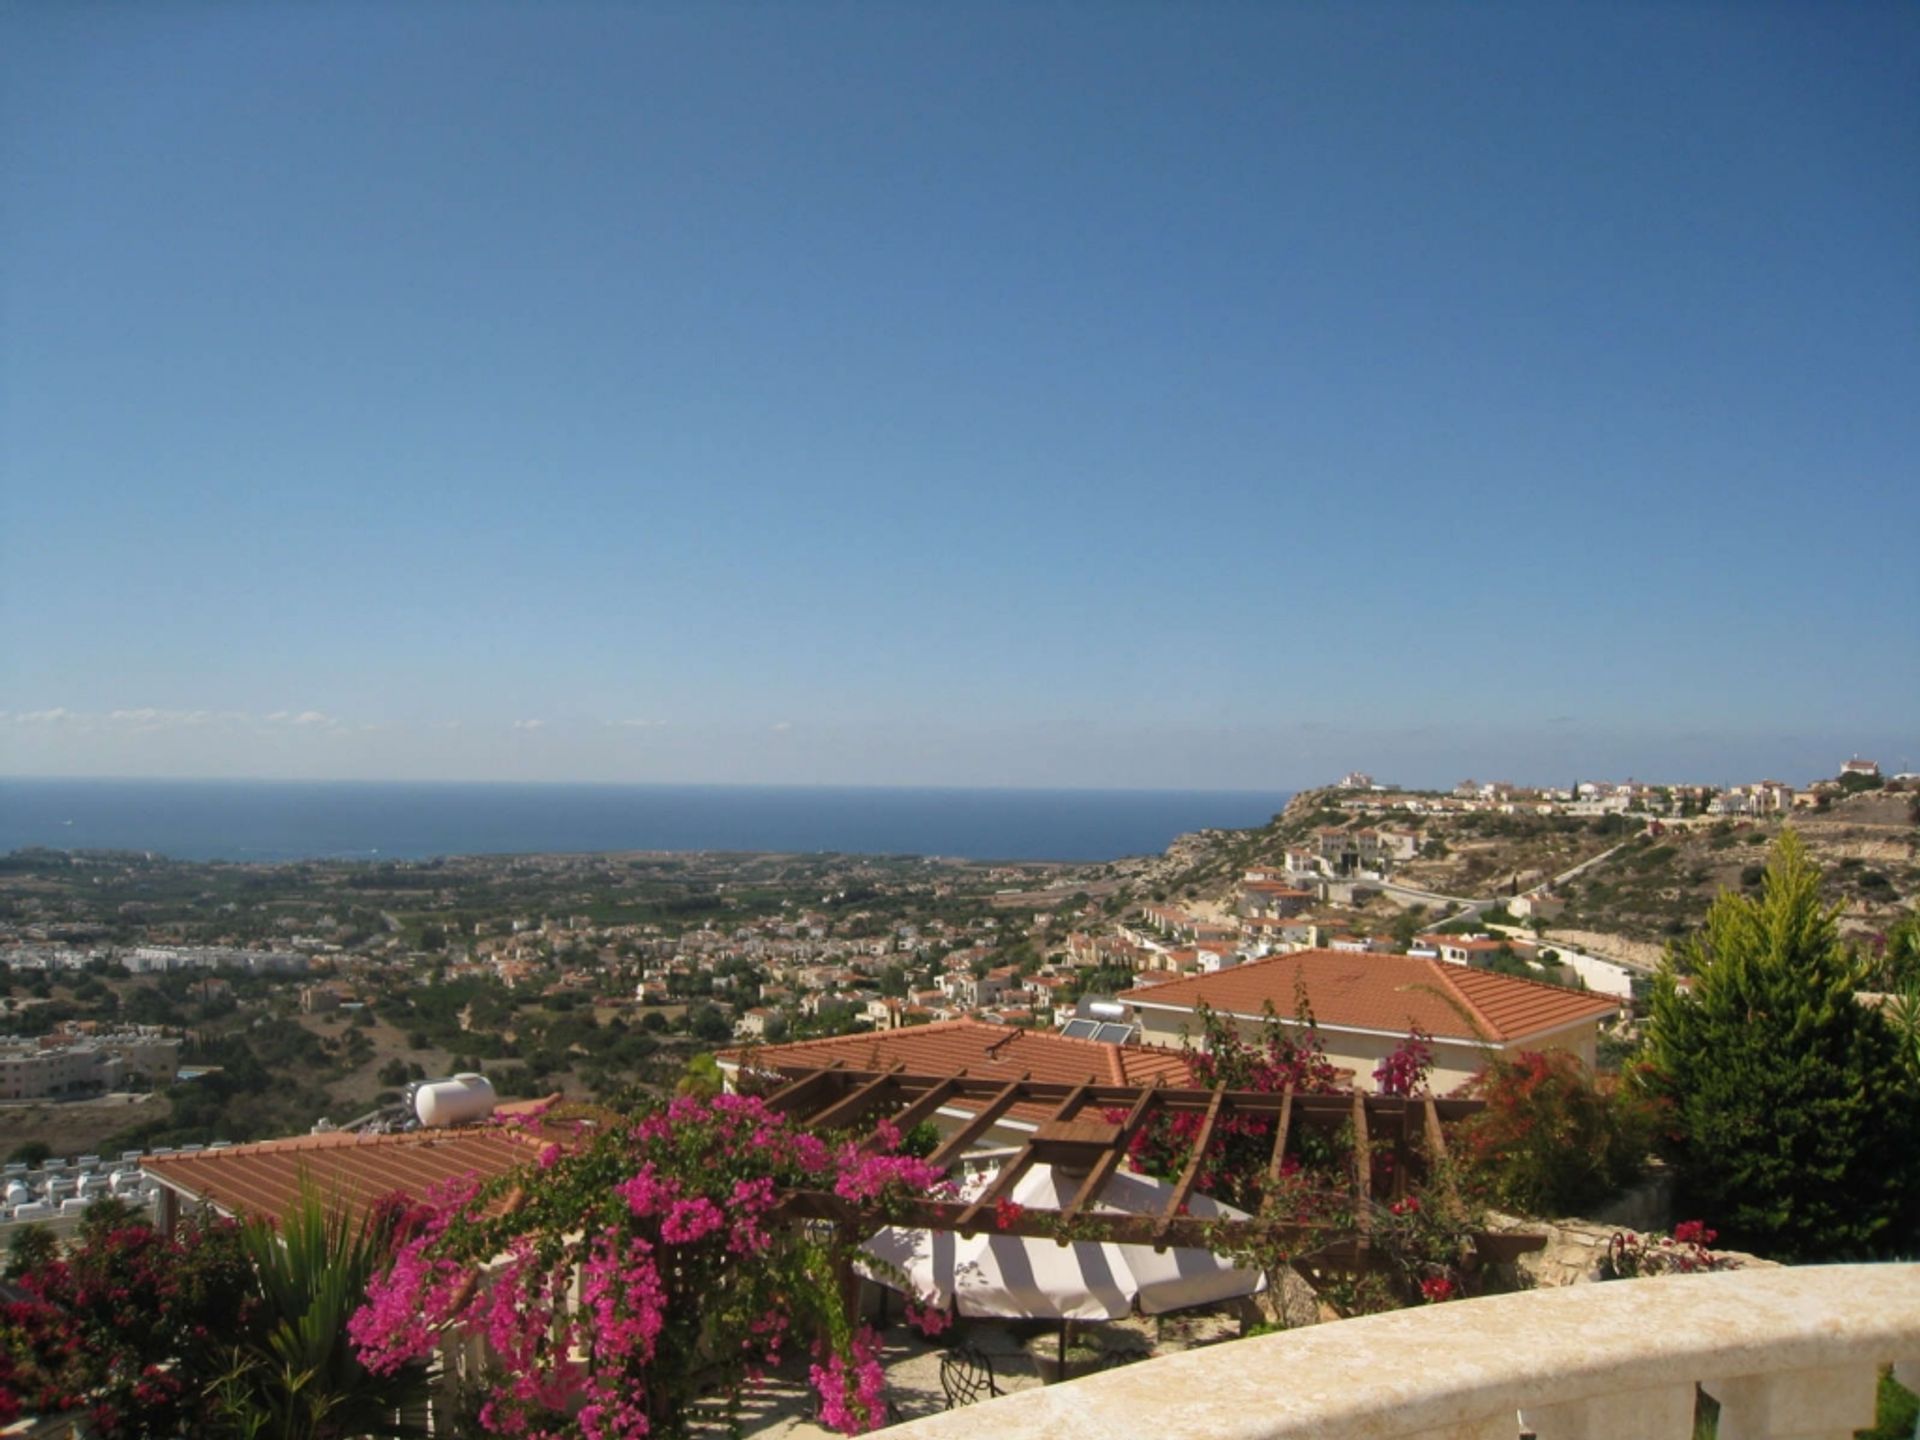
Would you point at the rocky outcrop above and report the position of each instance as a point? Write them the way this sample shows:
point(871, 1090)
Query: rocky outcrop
point(1575, 1250)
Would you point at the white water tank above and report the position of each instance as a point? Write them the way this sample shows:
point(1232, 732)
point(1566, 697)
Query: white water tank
point(459, 1101)
point(17, 1193)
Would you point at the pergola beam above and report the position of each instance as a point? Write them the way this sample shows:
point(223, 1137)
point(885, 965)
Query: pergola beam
point(801, 1087)
point(850, 1109)
point(1109, 1161)
point(1010, 1173)
point(956, 1144)
point(834, 1097)
point(924, 1105)
point(1328, 1109)
point(1177, 1201)
point(828, 1098)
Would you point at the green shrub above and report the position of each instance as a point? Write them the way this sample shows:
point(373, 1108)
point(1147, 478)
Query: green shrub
point(1796, 1119)
point(1552, 1140)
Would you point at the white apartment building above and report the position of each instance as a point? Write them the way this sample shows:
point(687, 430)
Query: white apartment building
point(30, 1070)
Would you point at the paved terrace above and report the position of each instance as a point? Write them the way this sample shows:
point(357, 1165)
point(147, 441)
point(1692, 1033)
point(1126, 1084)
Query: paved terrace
point(1789, 1354)
point(785, 1406)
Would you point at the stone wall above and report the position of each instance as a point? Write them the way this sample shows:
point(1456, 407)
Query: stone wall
point(1790, 1356)
point(1575, 1249)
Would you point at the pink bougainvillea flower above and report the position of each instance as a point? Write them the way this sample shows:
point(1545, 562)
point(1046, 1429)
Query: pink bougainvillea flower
point(635, 1260)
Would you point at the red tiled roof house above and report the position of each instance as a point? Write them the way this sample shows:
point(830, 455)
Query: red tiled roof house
point(1364, 1006)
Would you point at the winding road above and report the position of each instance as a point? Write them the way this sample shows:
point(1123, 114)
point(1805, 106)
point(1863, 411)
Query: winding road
point(1470, 908)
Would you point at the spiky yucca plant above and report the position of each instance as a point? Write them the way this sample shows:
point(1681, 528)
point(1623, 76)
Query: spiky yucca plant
point(294, 1375)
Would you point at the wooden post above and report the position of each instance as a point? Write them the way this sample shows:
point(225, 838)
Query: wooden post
point(847, 1240)
point(166, 1210)
point(1362, 1169)
point(1282, 1123)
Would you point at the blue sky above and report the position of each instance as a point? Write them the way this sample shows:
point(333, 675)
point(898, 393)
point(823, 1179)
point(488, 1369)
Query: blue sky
point(1217, 396)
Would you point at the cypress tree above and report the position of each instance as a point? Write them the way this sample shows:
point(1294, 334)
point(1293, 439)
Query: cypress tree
point(1795, 1119)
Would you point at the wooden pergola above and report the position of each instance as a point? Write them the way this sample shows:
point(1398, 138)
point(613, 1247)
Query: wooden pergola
point(1078, 1136)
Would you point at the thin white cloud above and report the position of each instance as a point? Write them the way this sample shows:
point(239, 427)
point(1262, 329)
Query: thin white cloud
point(782, 726)
point(145, 719)
point(529, 724)
point(635, 724)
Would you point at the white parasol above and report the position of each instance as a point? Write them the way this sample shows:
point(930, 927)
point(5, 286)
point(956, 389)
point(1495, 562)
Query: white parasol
point(1018, 1278)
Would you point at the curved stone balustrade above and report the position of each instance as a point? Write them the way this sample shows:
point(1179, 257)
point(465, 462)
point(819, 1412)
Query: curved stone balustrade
point(1790, 1354)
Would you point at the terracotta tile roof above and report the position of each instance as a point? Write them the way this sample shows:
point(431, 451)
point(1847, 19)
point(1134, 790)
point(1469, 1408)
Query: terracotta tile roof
point(263, 1179)
point(1008, 1052)
point(1352, 991)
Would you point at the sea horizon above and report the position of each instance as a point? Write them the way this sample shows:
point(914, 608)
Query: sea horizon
point(269, 821)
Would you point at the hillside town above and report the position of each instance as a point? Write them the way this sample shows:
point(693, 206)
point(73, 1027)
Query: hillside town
point(1364, 795)
point(764, 950)
point(199, 1041)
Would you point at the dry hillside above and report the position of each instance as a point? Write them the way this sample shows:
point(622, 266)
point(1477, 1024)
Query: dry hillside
point(1654, 887)
point(1660, 886)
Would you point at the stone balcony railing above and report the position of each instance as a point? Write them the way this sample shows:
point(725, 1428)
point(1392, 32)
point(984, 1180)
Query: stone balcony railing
point(1789, 1354)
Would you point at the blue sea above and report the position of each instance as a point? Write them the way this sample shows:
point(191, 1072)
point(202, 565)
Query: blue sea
point(282, 820)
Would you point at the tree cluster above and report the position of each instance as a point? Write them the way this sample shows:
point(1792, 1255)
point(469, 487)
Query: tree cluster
point(1796, 1117)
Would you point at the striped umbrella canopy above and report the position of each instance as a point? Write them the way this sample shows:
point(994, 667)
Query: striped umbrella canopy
point(1019, 1278)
